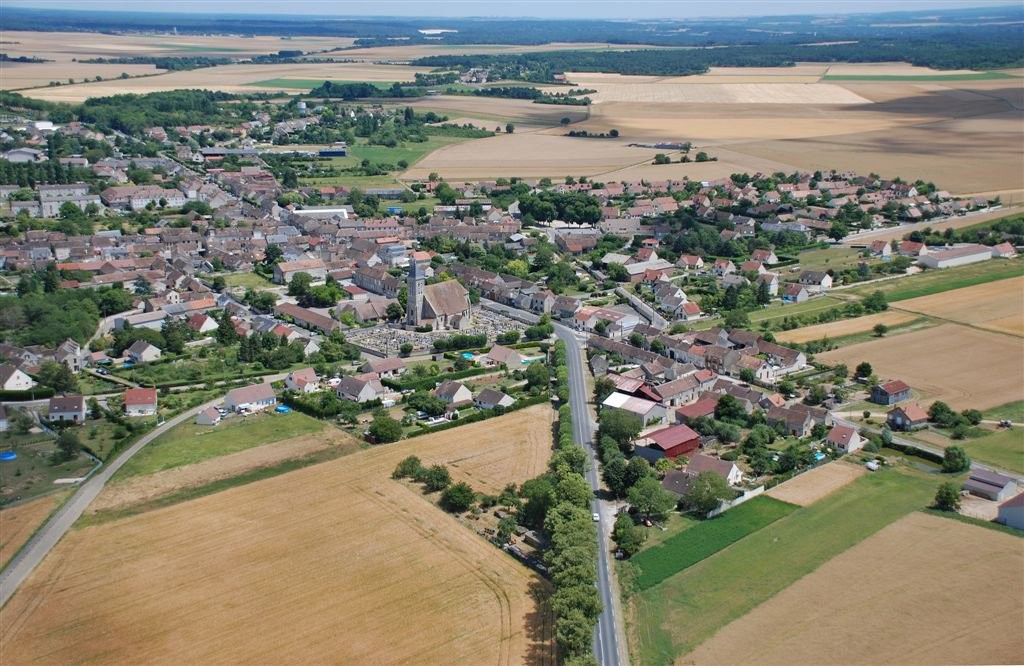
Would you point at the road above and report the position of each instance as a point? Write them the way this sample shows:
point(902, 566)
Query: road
point(939, 224)
point(645, 309)
point(606, 637)
point(37, 548)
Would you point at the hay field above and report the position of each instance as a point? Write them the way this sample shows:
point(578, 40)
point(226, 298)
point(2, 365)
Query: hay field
point(997, 306)
point(948, 592)
point(722, 90)
point(15, 75)
point(836, 329)
point(63, 46)
point(520, 112)
point(962, 366)
point(809, 487)
point(890, 69)
point(413, 51)
point(335, 563)
point(19, 523)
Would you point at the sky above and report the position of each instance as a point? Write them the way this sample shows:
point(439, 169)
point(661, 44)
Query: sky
point(616, 9)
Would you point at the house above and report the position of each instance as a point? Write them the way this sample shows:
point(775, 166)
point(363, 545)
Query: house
point(360, 389)
point(202, 323)
point(499, 355)
point(453, 393)
point(140, 402)
point(723, 267)
point(815, 281)
point(906, 417)
point(68, 408)
point(14, 379)
point(690, 262)
point(795, 423)
point(795, 293)
point(1011, 512)
point(678, 482)
point(209, 416)
point(678, 391)
point(990, 485)
point(385, 367)
point(252, 398)
point(881, 248)
point(1004, 251)
point(142, 352)
point(302, 381)
point(955, 256)
point(648, 411)
point(845, 439)
point(705, 407)
point(890, 392)
point(767, 257)
point(674, 441)
point(286, 270)
point(724, 468)
point(490, 398)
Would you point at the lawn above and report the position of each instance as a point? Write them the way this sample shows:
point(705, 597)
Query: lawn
point(974, 76)
point(836, 258)
point(246, 281)
point(190, 443)
point(947, 279)
point(31, 474)
point(674, 617)
point(1011, 410)
point(1001, 448)
point(309, 84)
point(697, 543)
point(778, 310)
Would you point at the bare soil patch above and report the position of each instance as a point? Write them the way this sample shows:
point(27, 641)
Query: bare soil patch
point(334, 563)
point(948, 592)
point(997, 306)
point(809, 487)
point(837, 329)
point(19, 523)
point(962, 366)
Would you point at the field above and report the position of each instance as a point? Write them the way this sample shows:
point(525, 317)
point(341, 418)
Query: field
point(19, 523)
point(948, 592)
point(973, 76)
point(844, 327)
point(189, 443)
point(674, 617)
point(965, 367)
point(306, 85)
point(996, 306)
point(1001, 448)
point(807, 488)
point(331, 563)
point(705, 539)
point(835, 258)
point(937, 281)
point(1011, 410)
point(247, 281)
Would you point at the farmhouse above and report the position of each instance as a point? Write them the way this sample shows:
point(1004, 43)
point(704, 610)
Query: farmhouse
point(302, 381)
point(795, 293)
point(678, 482)
point(252, 398)
point(907, 417)
point(209, 416)
point(13, 379)
point(648, 411)
point(956, 256)
point(845, 438)
point(140, 402)
point(890, 392)
point(702, 408)
point(202, 323)
point(990, 485)
point(1004, 251)
point(1011, 512)
point(725, 469)
point(307, 318)
point(69, 408)
point(490, 398)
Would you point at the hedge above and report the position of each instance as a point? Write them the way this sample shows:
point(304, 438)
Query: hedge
point(37, 393)
point(483, 414)
point(428, 382)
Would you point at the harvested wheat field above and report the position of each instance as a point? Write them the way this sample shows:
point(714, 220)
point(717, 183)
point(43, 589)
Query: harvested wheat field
point(804, 90)
point(836, 329)
point(963, 366)
point(335, 563)
point(945, 593)
point(897, 233)
point(998, 306)
point(809, 487)
point(19, 523)
point(499, 110)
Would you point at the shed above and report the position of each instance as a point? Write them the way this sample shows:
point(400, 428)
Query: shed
point(990, 485)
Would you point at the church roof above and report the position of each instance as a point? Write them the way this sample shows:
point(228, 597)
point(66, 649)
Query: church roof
point(446, 298)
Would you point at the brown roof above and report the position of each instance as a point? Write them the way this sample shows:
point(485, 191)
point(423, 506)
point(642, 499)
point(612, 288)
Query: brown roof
point(140, 396)
point(894, 386)
point(67, 403)
point(251, 393)
point(702, 463)
point(913, 412)
point(447, 389)
point(446, 298)
point(841, 435)
point(379, 365)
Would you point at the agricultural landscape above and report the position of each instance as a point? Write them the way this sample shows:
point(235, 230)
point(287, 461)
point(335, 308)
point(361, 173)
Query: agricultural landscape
point(650, 339)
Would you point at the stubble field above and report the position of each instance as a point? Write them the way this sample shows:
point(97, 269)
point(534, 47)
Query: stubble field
point(809, 487)
point(18, 523)
point(947, 593)
point(331, 563)
point(997, 306)
point(836, 329)
point(965, 367)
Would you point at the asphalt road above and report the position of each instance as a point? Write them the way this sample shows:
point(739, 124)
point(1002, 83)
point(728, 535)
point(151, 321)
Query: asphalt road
point(37, 548)
point(606, 641)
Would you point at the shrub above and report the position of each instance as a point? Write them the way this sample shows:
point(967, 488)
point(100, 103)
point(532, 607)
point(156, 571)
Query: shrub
point(458, 498)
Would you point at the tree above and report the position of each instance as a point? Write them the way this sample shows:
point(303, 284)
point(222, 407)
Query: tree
point(737, 319)
point(509, 128)
point(574, 489)
point(707, 492)
point(395, 311)
point(947, 497)
point(941, 414)
point(876, 302)
point(20, 422)
point(747, 375)
point(863, 370)
point(573, 633)
point(650, 498)
point(272, 254)
point(537, 375)
point(67, 446)
point(955, 460)
point(410, 468)
point(816, 395)
point(506, 528)
point(405, 349)
point(540, 497)
point(730, 409)
point(628, 537)
point(880, 330)
point(385, 429)
point(436, 478)
point(58, 377)
point(614, 474)
point(620, 425)
point(299, 286)
point(663, 465)
point(764, 295)
point(458, 498)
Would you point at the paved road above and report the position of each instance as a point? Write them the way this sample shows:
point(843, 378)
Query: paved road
point(18, 569)
point(645, 309)
point(606, 638)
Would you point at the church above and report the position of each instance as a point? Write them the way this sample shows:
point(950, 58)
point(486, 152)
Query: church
point(443, 306)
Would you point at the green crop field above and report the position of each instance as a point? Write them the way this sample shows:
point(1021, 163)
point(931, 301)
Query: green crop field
point(411, 152)
point(190, 443)
point(973, 76)
point(677, 615)
point(1004, 448)
point(309, 84)
point(699, 542)
point(1011, 410)
point(946, 279)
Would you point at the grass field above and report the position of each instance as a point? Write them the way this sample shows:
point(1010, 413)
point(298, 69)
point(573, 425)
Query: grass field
point(699, 542)
point(1001, 448)
point(937, 281)
point(1011, 410)
point(247, 281)
point(947, 593)
point(309, 84)
point(975, 76)
point(189, 443)
point(835, 258)
point(671, 619)
point(31, 474)
point(411, 152)
point(333, 563)
point(779, 310)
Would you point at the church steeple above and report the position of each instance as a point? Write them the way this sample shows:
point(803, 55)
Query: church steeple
point(414, 300)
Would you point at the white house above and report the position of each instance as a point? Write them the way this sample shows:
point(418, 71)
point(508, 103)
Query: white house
point(490, 398)
point(845, 438)
point(728, 470)
point(142, 352)
point(955, 256)
point(302, 381)
point(649, 412)
point(140, 402)
point(253, 398)
point(13, 379)
point(1011, 512)
point(385, 367)
point(453, 393)
point(209, 416)
point(202, 323)
point(69, 408)
point(360, 389)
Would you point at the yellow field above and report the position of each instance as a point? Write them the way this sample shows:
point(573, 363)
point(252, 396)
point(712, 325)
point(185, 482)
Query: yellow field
point(998, 306)
point(19, 523)
point(335, 563)
point(721, 90)
point(965, 367)
point(843, 327)
point(809, 487)
point(924, 590)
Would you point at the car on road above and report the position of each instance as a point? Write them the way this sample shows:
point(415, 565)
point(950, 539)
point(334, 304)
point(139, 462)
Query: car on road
point(596, 516)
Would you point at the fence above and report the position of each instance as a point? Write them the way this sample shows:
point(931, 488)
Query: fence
point(725, 506)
